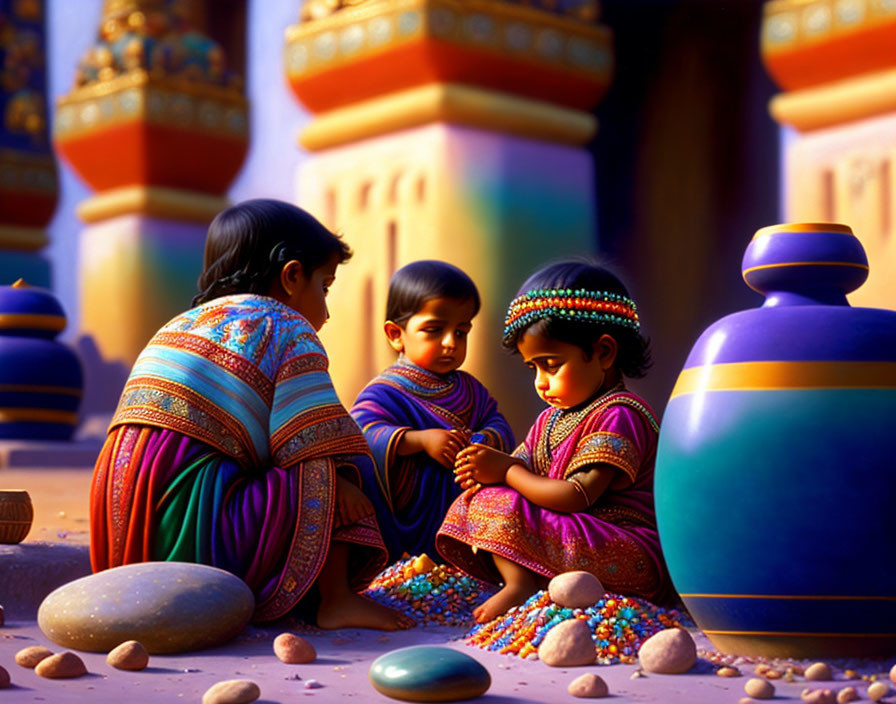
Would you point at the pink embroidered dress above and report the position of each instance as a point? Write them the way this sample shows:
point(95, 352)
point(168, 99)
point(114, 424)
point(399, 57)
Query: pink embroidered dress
point(615, 539)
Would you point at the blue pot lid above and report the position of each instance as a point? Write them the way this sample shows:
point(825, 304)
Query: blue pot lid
point(30, 310)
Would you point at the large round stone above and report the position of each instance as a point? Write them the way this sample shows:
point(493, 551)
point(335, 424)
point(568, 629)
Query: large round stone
point(428, 673)
point(170, 607)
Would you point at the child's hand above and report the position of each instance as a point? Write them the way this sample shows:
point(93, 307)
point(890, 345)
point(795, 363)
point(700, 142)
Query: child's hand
point(351, 503)
point(442, 445)
point(481, 464)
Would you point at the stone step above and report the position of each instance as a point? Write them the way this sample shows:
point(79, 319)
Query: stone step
point(31, 570)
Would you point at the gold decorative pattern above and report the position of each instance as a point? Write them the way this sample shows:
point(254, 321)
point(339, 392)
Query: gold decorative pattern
point(512, 30)
point(788, 24)
point(837, 103)
point(138, 97)
point(449, 102)
point(582, 10)
point(152, 201)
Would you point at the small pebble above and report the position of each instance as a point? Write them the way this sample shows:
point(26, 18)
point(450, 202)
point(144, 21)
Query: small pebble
point(818, 696)
point(728, 672)
point(575, 590)
point(4, 678)
point(852, 674)
point(847, 694)
point(29, 657)
point(61, 666)
point(773, 674)
point(819, 672)
point(312, 684)
point(130, 655)
point(877, 691)
point(568, 644)
point(232, 692)
point(746, 700)
point(892, 669)
point(588, 686)
point(759, 688)
point(293, 649)
point(671, 651)
point(637, 673)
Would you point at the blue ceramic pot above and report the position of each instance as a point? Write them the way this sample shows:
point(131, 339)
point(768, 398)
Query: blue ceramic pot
point(41, 382)
point(774, 473)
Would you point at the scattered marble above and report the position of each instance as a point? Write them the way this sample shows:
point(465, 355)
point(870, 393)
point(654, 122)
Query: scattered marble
point(878, 690)
point(588, 686)
point(61, 666)
point(637, 673)
point(427, 673)
point(819, 672)
point(5, 679)
point(293, 649)
point(670, 652)
point(728, 671)
point(759, 688)
point(568, 644)
point(429, 593)
point(619, 625)
point(232, 692)
point(30, 656)
point(312, 684)
point(170, 607)
point(575, 589)
point(846, 695)
point(130, 655)
point(818, 696)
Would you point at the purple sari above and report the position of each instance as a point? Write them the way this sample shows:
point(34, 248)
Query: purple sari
point(615, 538)
point(412, 493)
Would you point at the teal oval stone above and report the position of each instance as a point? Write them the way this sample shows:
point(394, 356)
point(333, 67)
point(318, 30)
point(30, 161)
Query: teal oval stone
point(170, 607)
point(428, 673)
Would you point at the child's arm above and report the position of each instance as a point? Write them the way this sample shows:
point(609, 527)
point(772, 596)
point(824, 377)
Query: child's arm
point(440, 444)
point(485, 465)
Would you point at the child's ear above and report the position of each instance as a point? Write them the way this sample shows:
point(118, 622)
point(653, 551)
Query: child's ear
point(393, 334)
point(606, 349)
point(292, 276)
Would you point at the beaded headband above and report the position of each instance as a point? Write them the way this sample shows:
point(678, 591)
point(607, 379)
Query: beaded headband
point(596, 307)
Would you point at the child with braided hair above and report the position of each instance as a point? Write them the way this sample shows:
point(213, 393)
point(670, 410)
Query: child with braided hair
point(578, 493)
point(230, 447)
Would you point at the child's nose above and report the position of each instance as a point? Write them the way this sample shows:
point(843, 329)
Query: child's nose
point(541, 381)
point(448, 339)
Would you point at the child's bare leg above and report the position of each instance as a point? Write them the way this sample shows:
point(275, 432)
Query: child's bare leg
point(341, 607)
point(519, 584)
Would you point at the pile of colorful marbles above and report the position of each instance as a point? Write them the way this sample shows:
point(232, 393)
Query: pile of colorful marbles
point(619, 624)
point(431, 594)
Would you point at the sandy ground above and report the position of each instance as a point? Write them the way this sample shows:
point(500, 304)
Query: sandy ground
point(60, 499)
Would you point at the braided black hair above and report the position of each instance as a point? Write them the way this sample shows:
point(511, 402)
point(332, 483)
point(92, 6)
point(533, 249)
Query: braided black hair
point(248, 244)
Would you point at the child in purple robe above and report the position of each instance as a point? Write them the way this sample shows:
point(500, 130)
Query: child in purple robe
point(419, 413)
point(578, 493)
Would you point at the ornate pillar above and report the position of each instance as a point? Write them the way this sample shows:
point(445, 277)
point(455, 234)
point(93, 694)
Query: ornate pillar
point(449, 130)
point(157, 126)
point(835, 63)
point(28, 187)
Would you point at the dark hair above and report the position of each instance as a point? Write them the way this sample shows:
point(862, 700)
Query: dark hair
point(633, 357)
point(415, 283)
point(248, 244)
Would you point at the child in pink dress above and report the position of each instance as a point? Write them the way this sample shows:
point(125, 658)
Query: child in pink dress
point(578, 493)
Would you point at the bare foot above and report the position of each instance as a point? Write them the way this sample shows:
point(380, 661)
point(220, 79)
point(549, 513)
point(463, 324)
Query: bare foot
point(508, 596)
point(355, 611)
